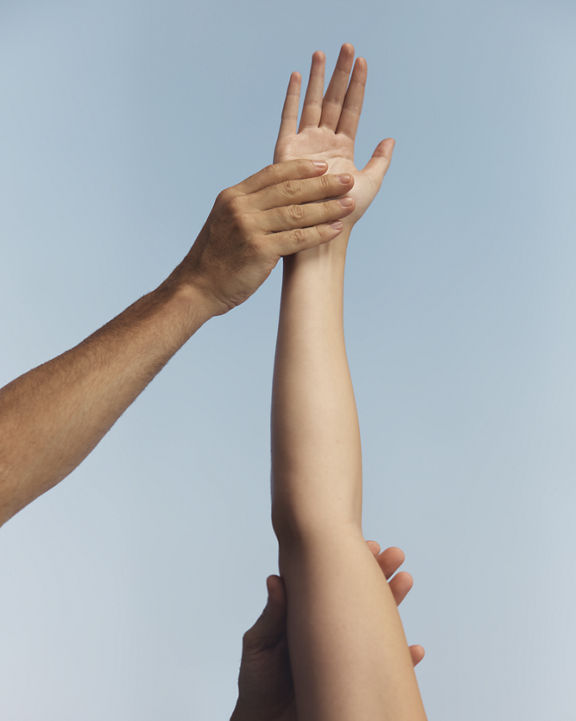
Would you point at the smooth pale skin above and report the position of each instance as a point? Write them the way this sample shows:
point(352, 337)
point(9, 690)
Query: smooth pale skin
point(328, 127)
point(265, 685)
point(349, 654)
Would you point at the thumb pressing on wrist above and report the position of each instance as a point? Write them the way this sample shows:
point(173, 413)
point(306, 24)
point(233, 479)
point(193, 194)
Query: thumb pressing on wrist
point(270, 627)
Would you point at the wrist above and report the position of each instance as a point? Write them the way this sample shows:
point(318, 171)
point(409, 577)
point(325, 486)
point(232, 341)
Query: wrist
point(328, 256)
point(186, 300)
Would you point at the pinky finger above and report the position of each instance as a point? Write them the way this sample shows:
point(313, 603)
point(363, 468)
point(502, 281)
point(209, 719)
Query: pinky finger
point(417, 653)
point(292, 241)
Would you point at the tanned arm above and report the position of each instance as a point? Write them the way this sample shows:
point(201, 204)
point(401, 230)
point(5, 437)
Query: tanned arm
point(54, 415)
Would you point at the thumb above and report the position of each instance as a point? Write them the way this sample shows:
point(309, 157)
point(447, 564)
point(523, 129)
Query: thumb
point(271, 625)
point(375, 169)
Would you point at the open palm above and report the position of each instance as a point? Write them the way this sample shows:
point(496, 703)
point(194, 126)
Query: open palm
point(328, 126)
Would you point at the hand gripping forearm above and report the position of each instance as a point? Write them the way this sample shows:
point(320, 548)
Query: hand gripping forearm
point(54, 415)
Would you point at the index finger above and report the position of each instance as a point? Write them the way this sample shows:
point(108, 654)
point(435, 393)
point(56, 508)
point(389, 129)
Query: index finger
point(278, 172)
point(289, 122)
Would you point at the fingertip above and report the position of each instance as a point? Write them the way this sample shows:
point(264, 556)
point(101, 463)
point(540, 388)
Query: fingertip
point(398, 550)
point(272, 583)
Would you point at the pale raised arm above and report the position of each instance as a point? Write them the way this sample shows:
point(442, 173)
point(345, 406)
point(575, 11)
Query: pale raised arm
point(349, 655)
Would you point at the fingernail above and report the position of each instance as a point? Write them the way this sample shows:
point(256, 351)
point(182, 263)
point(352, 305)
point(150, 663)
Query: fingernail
point(337, 225)
point(345, 178)
point(320, 163)
point(346, 202)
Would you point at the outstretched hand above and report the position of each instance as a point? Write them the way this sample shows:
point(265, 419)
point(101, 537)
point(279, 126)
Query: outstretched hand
point(328, 126)
point(265, 686)
point(283, 209)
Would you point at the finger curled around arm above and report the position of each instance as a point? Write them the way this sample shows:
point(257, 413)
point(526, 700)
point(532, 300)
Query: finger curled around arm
point(305, 215)
point(293, 241)
point(279, 172)
point(302, 191)
point(374, 546)
point(390, 560)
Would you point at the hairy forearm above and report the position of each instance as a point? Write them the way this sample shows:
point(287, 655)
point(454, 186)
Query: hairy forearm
point(349, 654)
point(54, 415)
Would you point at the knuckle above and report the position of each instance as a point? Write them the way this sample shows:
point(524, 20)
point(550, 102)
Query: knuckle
point(296, 212)
point(298, 236)
point(225, 196)
point(326, 182)
point(291, 188)
point(237, 214)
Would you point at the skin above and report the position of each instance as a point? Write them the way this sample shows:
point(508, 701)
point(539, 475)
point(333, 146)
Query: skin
point(265, 684)
point(328, 127)
point(348, 651)
point(54, 415)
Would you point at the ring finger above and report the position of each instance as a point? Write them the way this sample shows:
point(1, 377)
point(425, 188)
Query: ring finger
point(304, 215)
point(400, 586)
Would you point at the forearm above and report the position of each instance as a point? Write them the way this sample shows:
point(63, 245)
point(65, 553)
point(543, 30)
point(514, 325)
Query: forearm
point(316, 456)
point(54, 415)
point(349, 654)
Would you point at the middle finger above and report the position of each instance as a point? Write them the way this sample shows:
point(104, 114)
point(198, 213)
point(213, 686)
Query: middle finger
point(334, 98)
point(390, 560)
point(300, 191)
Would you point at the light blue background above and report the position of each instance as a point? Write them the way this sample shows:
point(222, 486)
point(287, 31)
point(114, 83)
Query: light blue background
point(125, 590)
